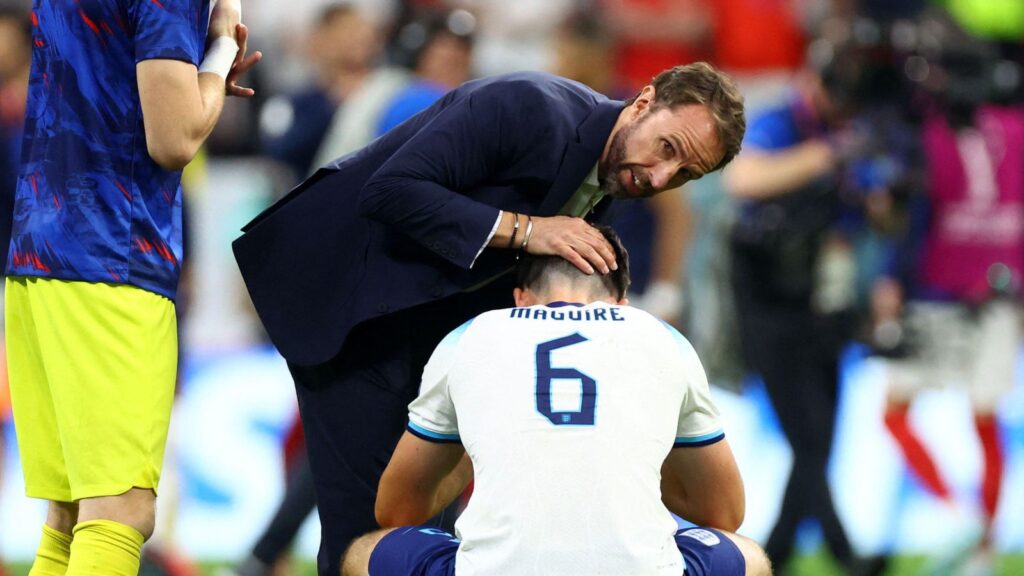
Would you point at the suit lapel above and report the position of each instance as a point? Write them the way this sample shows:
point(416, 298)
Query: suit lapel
point(581, 155)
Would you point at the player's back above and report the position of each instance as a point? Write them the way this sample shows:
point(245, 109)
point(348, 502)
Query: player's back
point(568, 413)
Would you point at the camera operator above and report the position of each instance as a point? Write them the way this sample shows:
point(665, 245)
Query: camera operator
point(793, 277)
point(948, 310)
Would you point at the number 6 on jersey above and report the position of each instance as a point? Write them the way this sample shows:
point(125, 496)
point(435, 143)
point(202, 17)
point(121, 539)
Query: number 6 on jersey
point(545, 374)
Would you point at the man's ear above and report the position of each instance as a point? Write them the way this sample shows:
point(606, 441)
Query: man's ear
point(644, 100)
point(520, 297)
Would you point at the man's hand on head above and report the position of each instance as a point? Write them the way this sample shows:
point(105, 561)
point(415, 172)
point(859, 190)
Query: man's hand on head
point(573, 239)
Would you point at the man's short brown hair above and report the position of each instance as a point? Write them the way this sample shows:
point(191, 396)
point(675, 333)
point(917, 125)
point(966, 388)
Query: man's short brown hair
point(701, 83)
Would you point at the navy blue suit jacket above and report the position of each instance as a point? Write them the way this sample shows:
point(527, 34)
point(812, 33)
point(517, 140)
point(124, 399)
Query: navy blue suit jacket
point(400, 222)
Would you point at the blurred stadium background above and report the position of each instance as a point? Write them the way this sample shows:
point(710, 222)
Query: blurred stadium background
point(325, 68)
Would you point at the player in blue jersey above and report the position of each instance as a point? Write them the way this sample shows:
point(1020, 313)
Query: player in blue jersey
point(122, 94)
point(585, 422)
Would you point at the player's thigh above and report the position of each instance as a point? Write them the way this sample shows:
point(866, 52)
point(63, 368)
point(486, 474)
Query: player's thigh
point(109, 353)
point(356, 560)
point(711, 552)
point(413, 550)
point(35, 417)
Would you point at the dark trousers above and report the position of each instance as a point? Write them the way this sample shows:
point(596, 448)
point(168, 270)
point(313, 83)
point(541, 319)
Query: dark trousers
point(354, 408)
point(796, 352)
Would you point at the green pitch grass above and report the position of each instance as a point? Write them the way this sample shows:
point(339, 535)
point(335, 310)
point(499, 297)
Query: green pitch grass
point(808, 565)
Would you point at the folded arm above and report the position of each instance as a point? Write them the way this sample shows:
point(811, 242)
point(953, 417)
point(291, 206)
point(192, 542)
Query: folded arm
point(420, 480)
point(703, 485)
point(180, 104)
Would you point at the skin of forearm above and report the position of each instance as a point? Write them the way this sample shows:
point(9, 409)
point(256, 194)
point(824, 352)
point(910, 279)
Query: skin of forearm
point(211, 95)
point(766, 175)
point(452, 486)
point(179, 110)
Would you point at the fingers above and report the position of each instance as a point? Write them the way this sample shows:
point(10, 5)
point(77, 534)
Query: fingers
point(232, 87)
point(242, 64)
point(242, 37)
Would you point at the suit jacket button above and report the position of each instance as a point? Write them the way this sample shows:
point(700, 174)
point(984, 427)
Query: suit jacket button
point(436, 291)
point(382, 307)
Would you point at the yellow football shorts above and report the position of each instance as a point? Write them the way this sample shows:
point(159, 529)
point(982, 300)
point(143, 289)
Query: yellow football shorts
point(92, 370)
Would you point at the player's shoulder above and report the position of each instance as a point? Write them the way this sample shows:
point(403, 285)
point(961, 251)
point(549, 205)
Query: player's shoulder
point(657, 328)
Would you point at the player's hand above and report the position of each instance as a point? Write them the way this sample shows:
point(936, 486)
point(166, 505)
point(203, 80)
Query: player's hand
point(573, 239)
point(224, 20)
point(242, 64)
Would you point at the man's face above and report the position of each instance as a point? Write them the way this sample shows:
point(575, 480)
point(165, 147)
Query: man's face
point(660, 149)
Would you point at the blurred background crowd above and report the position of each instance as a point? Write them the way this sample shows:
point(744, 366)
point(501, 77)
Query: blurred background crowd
point(852, 281)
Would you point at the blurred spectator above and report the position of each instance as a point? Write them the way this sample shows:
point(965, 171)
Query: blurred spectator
point(284, 27)
point(15, 57)
point(438, 48)
point(793, 283)
point(755, 36)
point(948, 310)
point(369, 86)
point(649, 36)
point(515, 35)
point(762, 43)
point(343, 49)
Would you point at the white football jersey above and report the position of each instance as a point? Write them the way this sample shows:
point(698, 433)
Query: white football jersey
point(567, 412)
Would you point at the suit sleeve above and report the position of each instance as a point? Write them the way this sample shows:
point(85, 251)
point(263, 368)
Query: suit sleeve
point(421, 189)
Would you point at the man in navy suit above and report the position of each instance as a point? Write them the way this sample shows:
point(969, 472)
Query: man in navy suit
point(360, 271)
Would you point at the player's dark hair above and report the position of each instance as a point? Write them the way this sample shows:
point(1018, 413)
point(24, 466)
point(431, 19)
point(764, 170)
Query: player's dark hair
point(700, 83)
point(533, 271)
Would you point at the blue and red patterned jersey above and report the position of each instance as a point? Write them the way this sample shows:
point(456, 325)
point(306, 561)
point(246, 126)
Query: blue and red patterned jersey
point(90, 203)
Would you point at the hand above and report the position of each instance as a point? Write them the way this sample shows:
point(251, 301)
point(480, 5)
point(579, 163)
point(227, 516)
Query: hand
point(573, 239)
point(242, 64)
point(224, 20)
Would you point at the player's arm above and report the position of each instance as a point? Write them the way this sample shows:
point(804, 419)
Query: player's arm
point(180, 103)
point(703, 485)
point(422, 478)
point(772, 164)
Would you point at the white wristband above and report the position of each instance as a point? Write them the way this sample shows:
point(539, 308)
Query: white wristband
point(220, 57)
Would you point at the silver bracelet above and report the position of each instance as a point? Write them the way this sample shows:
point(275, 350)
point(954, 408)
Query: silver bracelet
point(527, 234)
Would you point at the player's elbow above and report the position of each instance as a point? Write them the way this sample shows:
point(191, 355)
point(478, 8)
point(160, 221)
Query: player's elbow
point(726, 516)
point(172, 152)
point(391, 514)
point(386, 515)
point(171, 157)
point(730, 517)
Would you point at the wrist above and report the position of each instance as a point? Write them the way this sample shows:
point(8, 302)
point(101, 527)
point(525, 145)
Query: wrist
point(220, 56)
